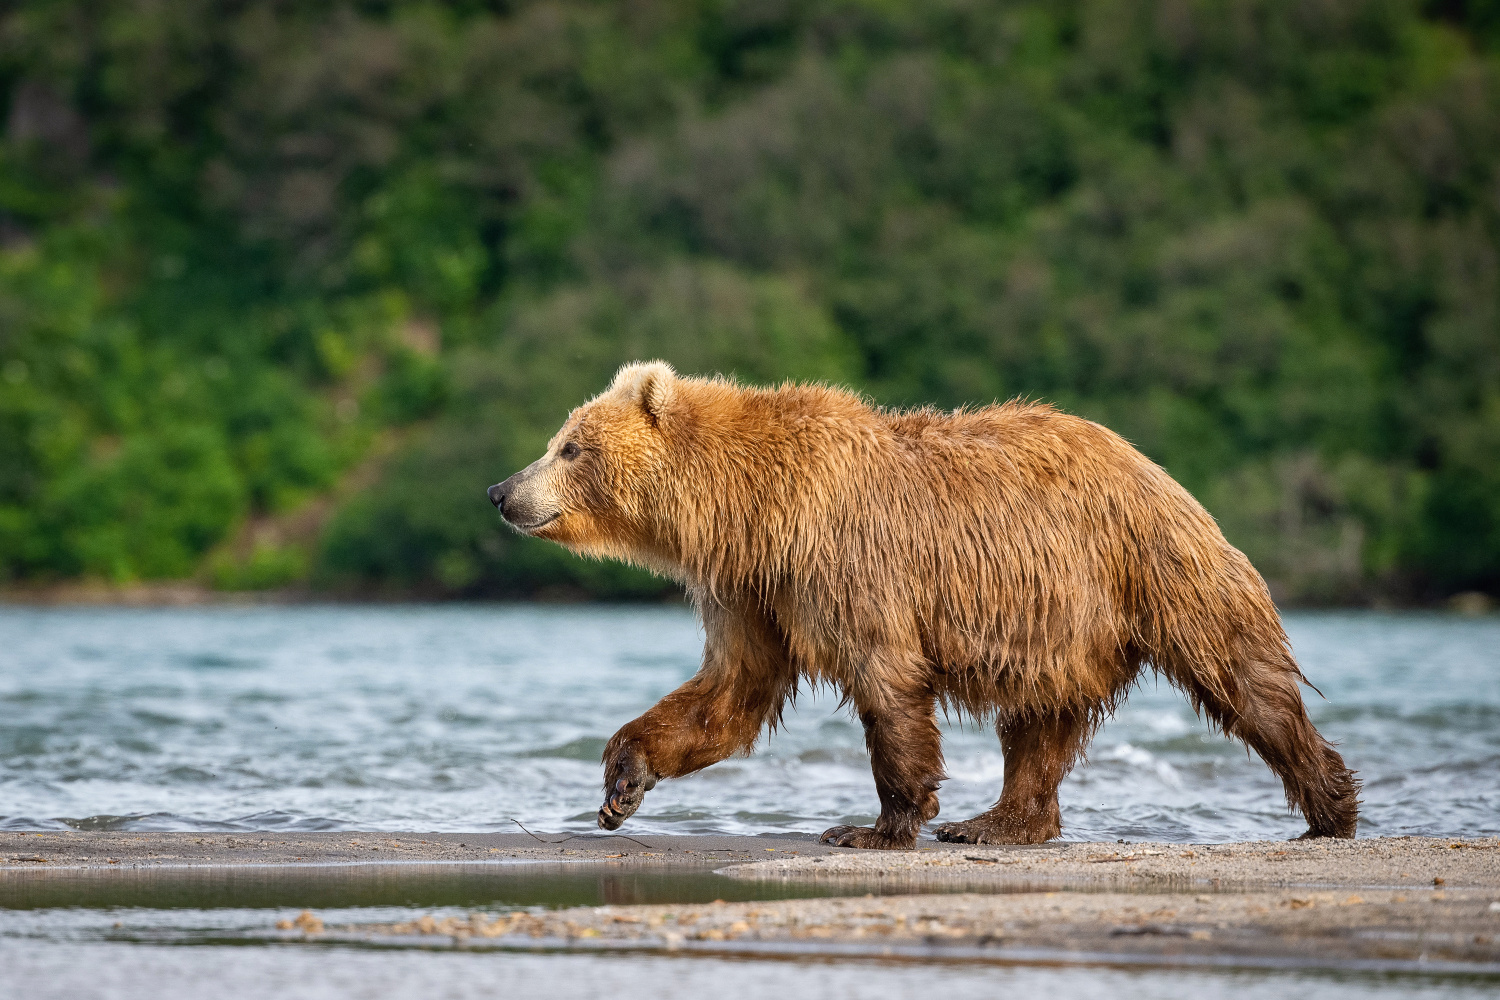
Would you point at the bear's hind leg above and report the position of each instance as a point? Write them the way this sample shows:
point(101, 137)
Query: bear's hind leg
point(1259, 701)
point(906, 756)
point(1039, 752)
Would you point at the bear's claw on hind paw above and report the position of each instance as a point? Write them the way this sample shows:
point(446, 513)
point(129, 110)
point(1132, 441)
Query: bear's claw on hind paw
point(865, 837)
point(959, 833)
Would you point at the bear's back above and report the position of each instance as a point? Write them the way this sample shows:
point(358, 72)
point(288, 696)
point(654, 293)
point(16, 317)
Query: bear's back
point(1016, 535)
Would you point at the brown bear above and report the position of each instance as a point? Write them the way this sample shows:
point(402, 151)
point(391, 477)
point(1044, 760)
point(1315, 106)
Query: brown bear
point(1010, 562)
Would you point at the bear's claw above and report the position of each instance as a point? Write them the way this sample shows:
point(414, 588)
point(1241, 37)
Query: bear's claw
point(627, 780)
point(620, 804)
point(867, 838)
point(959, 833)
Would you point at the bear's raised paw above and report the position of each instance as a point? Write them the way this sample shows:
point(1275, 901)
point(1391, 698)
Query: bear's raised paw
point(620, 804)
point(627, 779)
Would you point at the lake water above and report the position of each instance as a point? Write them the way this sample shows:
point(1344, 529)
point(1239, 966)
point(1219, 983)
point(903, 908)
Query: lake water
point(470, 717)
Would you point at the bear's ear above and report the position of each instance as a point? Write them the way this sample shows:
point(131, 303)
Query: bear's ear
point(650, 384)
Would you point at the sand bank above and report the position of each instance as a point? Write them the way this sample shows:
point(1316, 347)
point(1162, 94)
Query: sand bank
point(1377, 861)
point(1376, 903)
point(1374, 862)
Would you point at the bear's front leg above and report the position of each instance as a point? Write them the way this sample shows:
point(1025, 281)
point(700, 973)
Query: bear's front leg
point(718, 713)
point(906, 755)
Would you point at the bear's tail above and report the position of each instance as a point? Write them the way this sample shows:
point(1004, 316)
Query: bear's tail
point(1234, 662)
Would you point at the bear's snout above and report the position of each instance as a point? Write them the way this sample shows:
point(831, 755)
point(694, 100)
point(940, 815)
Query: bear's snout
point(522, 502)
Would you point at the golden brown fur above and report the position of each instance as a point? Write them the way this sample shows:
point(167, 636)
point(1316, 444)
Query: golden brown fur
point(1010, 562)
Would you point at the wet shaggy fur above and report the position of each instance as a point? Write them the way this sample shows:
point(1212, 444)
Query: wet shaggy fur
point(1010, 562)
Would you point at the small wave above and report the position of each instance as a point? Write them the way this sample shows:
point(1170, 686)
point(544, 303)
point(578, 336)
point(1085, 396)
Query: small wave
point(1140, 757)
point(846, 756)
point(589, 748)
point(216, 661)
point(165, 822)
point(1200, 823)
point(1454, 716)
point(159, 822)
point(290, 822)
point(1455, 769)
point(30, 823)
point(156, 720)
point(981, 768)
point(1165, 723)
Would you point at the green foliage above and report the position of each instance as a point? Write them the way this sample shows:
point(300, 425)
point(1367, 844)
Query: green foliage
point(267, 566)
point(1258, 237)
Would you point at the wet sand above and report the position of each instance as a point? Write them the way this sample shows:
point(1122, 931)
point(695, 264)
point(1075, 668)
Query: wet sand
point(1376, 903)
point(89, 849)
point(1379, 861)
point(1375, 862)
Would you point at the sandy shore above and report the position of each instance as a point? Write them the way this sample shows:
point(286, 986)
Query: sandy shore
point(57, 850)
point(1373, 862)
point(1376, 903)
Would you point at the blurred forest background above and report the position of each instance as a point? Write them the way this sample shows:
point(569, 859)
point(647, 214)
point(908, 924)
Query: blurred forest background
point(285, 285)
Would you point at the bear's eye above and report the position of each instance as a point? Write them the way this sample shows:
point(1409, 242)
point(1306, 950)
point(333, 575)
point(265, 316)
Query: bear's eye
point(570, 451)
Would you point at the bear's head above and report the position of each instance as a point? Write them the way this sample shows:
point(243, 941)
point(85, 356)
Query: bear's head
point(599, 485)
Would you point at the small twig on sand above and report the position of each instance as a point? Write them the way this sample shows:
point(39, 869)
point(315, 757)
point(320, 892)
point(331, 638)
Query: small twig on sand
point(575, 836)
point(526, 831)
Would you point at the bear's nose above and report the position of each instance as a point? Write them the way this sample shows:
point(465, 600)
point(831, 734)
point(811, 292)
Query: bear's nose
point(496, 494)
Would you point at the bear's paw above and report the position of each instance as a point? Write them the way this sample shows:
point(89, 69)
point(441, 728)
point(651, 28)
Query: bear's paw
point(867, 838)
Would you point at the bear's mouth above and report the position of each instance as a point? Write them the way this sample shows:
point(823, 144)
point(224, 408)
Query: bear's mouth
point(536, 525)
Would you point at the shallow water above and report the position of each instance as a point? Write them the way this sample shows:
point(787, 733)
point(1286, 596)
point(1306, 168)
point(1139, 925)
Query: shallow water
point(465, 717)
point(459, 887)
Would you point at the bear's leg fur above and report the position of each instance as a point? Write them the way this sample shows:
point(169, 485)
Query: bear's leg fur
point(744, 681)
point(1039, 752)
point(906, 756)
point(1260, 702)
